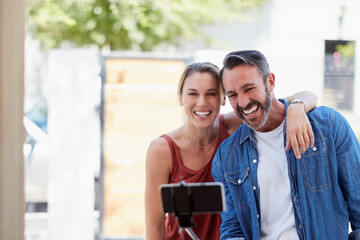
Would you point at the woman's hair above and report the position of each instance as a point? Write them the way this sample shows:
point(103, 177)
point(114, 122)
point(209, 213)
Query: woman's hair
point(201, 67)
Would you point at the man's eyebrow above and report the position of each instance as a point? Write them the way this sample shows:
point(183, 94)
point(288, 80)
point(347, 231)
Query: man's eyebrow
point(247, 85)
point(230, 92)
point(242, 87)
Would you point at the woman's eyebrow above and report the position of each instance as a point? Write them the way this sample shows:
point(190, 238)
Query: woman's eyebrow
point(191, 89)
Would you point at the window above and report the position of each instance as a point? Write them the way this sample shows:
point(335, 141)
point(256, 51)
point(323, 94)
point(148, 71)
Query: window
point(339, 74)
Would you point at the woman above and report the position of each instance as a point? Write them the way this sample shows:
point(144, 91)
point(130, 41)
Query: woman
point(186, 153)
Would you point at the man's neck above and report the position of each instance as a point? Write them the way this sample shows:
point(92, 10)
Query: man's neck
point(276, 116)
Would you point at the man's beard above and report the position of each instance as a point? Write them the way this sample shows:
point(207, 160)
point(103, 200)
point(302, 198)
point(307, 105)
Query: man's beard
point(265, 110)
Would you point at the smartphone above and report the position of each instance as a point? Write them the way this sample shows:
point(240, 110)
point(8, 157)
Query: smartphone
point(187, 198)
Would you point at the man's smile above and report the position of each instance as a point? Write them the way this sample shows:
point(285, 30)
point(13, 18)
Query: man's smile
point(251, 110)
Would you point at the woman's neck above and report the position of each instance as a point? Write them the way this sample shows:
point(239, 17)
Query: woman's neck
point(200, 137)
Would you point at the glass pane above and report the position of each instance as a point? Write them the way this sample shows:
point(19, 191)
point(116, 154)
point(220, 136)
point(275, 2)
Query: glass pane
point(339, 74)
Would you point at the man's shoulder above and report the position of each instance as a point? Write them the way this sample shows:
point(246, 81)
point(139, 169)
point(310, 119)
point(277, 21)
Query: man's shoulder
point(322, 109)
point(326, 117)
point(322, 112)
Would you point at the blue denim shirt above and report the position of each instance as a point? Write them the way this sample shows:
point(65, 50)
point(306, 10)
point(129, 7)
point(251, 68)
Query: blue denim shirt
point(325, 182)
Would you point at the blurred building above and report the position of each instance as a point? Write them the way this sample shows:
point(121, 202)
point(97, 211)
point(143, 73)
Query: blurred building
point(310, 45)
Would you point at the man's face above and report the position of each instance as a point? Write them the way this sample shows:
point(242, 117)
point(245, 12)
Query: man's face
point(248, 95)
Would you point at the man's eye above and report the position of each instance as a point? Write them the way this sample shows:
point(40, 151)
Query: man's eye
point(231, 95)
point(249, 89)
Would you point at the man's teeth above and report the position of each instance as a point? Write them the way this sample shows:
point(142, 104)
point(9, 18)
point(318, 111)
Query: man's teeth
point(251, 110)
point(202, 114)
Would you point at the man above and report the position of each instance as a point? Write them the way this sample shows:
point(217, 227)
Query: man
point(269, 193)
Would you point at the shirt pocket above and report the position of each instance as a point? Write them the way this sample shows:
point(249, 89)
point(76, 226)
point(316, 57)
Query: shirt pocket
point(239, 186)
point(315, 167)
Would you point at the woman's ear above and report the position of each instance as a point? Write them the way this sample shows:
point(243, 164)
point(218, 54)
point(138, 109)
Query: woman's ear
point(180, 101)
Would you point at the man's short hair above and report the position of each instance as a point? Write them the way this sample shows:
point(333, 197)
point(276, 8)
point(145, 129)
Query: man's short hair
point(247, 57)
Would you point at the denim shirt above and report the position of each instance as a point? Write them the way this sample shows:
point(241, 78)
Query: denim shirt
point(325, 182)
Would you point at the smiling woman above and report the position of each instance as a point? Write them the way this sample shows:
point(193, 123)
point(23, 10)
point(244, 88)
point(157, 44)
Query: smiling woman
point(186, 153)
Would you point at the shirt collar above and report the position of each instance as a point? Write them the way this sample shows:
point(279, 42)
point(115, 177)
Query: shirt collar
point(248, 133)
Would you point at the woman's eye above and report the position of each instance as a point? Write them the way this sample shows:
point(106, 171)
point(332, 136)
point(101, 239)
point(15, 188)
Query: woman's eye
point(212, 94)
point(192, 94)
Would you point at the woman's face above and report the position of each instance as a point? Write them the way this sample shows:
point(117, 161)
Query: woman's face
point(201, 99)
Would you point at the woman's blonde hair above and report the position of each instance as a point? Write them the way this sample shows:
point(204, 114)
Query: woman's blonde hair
point(201, 67)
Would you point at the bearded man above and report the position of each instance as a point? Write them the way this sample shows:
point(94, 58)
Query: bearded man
point(270, 194)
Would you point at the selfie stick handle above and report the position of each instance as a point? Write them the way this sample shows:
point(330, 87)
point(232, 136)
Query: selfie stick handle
point(191, 233)
point(185, 221)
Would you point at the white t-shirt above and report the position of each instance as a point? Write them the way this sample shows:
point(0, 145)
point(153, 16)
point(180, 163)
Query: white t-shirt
point(277, 214)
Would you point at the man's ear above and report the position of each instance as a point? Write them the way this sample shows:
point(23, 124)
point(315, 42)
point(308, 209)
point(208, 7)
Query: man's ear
point(271, 82)
point(223, 101)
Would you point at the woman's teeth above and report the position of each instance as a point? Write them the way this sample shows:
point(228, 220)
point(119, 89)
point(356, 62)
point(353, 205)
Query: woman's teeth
point(251, 110)
point(202, 114)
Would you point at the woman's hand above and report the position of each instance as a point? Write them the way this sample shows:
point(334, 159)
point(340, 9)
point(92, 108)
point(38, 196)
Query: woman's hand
point(299, 134)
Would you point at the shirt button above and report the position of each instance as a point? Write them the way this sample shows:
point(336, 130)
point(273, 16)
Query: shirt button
point(294, 199)
point(254, 161)
point(239, 181)
point(254, 188)
point(300, 226)
point(314, 149)
point(257, 215)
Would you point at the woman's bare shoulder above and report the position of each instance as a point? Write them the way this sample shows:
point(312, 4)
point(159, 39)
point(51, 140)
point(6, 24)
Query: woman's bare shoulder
point(159, 146)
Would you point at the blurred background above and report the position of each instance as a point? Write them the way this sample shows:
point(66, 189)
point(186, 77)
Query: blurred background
point(101, 79)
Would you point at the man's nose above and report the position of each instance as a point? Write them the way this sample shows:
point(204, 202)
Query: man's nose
point(243, 101)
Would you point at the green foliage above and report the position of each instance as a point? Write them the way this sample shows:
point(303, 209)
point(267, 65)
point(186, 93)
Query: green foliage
point(127, 24)
point(347, 50)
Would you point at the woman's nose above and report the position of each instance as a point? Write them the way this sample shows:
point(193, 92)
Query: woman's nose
point(201, 100)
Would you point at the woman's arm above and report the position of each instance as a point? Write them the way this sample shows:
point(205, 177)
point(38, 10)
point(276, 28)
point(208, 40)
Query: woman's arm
point(309, 100)
point(157, 168)
point(232, 122)
point(299, 134)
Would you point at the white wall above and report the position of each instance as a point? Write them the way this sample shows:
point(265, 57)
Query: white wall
point(73, 93)
point(292, 34)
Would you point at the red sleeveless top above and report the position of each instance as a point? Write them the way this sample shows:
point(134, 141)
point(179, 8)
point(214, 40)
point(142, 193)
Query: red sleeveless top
point(207, 226)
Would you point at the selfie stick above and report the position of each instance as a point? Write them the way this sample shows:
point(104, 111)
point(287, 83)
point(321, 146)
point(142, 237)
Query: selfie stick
point(185, 219)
